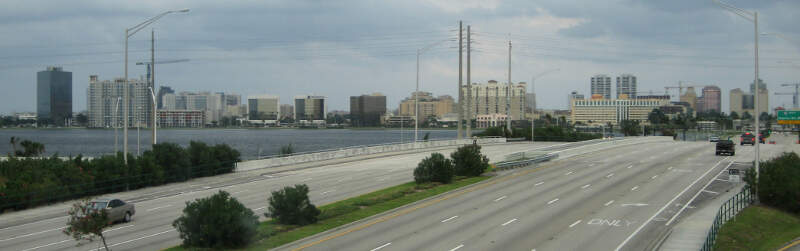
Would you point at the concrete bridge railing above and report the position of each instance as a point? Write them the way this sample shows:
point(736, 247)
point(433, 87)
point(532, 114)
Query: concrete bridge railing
point(356, 151)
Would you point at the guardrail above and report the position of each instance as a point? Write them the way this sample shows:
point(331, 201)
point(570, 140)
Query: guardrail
point(728, 211)
point(525, 162)
point(356, 151)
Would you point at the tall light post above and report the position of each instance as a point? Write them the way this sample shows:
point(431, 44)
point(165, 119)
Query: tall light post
point(155, 118)
point(752, 17)
point(416, 93)
point(533, 91)
point(128, 33)
point(116, 125)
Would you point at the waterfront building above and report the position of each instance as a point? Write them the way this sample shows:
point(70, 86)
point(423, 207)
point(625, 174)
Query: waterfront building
point(367, 110)
point(264, 107)
point(105, 111)
point(309, 109)
point(604, 111)
point(181, 118)
point(490, 98)
point(626, 86)
point(429, 106)
point(601, 85)
point(54, 96)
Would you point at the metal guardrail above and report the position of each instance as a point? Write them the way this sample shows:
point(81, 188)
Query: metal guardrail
point(525, 162)
point(728, 211)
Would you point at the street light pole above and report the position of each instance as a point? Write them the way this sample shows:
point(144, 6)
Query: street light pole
point(752, 17)
point(155, 118)
point(416, 93)
point(116, 125)
point(128, 33)
point(533, 91)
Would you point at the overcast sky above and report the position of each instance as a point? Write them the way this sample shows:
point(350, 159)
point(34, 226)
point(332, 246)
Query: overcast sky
point(343, 48)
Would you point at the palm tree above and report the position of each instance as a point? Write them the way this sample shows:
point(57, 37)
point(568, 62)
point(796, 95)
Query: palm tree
point(13, 142)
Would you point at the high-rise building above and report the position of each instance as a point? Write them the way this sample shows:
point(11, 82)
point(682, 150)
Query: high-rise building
point(601, 85)
point(310, 109)
point(367, 110)
point(711, 99)
point(741, 102)
point(761, 85)
point(287, 111)
point(105, 111)
point(604, 111)
point(736, 104)
point(215, 105)
point(573, 95)
point(530, 102)
point(54, 96)
point(490, 98)
point(429, 106)
point(263, 107)
point(626, 86)
point(163, 90)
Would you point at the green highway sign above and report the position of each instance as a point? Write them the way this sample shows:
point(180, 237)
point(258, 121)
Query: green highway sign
point(788, 117)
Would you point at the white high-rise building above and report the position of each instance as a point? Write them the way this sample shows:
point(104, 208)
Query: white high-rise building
point(601, 85)
point(101, 99)
point(626, 86)
point(490, 98)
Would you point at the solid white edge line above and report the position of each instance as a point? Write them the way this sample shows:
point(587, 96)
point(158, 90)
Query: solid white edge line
point(695, 195)
point(576, 223)
point(382, 246)
point(456, 248)
point(666, 205)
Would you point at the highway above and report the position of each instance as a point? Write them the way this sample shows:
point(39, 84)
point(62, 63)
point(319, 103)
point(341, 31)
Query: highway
point(614, 198)
point(156, 208)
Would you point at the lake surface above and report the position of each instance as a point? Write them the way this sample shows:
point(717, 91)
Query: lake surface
point(250, 142)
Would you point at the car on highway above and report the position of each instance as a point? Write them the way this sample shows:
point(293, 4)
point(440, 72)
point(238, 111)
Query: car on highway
point(118, 210)
point(747, 138)
point(713, 139)
point(726, 146)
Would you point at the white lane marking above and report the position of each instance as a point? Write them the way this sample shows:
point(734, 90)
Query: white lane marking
point(382, 246)
point(629, 167)
point(128, 241)
point(41, 221)
point(708, 191)
point(634, 188)
point(305, 180)
point(665, 206)
point(106, 231)
point(670, 168)
point(239, 191)
point(448, 219)
point(46, 245)
point(323, 193)
point(501, 198)
point(609, 202)
point(591, 164)
point(585, 186)
point(576, 223)
point(568, 173)
point(259, 208)
point(552, 201)
point(456, 248)
point(26, 235)
point(538, 183)
point(654, 177)
point(157, 208)
point(609, 175)
point(722, 180)
point(509, 222)
point(698, 192)
point(634, 205)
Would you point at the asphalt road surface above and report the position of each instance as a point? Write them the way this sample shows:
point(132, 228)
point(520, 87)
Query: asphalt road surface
point(617, 198)
point(156, 208)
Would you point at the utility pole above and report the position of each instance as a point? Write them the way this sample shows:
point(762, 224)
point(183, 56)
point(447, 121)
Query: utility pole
point(460, 93)
point(153, 78)
point(469, 87)
point(508, 90)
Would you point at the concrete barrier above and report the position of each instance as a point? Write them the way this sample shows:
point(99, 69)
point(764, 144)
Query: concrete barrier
point(356, 151)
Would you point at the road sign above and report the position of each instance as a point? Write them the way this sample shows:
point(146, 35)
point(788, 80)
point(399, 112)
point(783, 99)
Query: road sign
point(789, 117)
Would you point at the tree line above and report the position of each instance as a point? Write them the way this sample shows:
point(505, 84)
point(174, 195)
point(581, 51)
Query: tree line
point(29, 182)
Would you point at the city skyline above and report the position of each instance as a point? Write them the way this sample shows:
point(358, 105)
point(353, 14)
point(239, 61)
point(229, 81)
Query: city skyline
point(379, 56)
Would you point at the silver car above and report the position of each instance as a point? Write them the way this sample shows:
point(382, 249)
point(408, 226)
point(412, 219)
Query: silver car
point(117, 209)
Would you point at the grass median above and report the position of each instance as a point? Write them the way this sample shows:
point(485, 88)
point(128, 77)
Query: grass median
point(271, 234)
point(758, 228)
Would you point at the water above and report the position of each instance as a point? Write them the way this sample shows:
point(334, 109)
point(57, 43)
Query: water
point(250, 142)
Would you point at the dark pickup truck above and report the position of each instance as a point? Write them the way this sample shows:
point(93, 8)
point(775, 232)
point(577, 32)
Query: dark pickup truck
point(725, 147)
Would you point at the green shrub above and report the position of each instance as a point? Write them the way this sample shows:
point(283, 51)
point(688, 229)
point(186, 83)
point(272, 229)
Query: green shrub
point(219, 221)
point(469, 161)
point(778, 184)
point(291, 206)
point(435, 168)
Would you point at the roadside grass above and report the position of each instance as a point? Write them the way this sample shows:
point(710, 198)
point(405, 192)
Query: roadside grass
point(758, 228)
point(272, 235)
